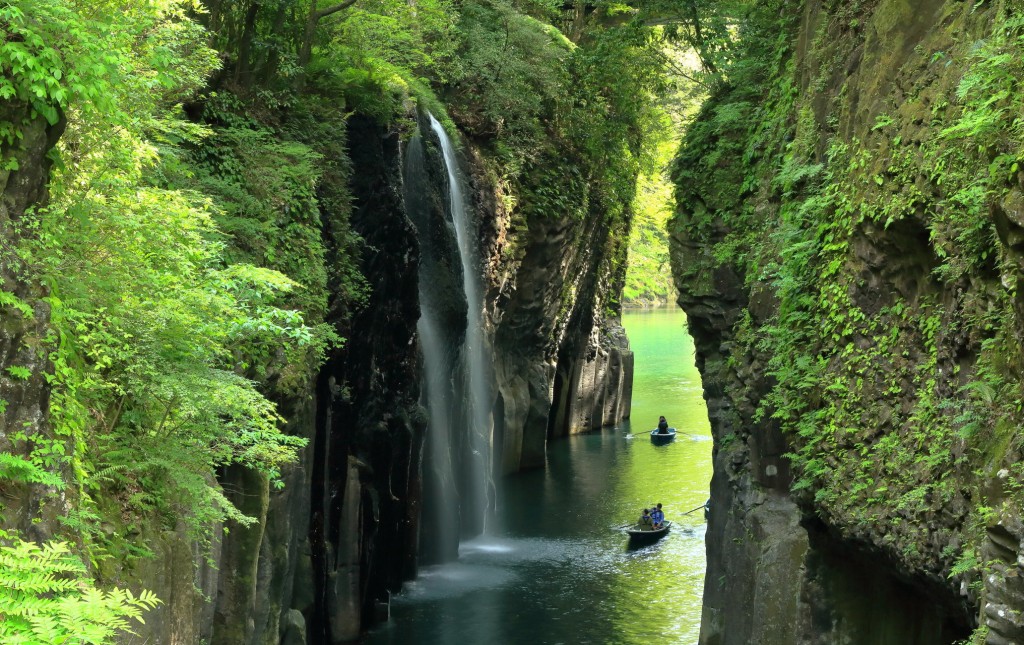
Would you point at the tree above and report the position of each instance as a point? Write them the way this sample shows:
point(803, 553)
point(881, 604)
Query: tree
point(313, 18)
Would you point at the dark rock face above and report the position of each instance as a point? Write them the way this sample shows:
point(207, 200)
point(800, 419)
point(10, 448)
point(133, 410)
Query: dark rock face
point(343, 531)
point(805, 564)
point(24, 172)
point(558, 368)
point(455, 485)
point(352, 521)
point(370, 428)
point(562, 366)
point(264, 578)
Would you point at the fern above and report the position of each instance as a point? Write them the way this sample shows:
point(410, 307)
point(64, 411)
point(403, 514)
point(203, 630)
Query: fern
point(968, 561)
point(21, 470)
point(46, 597)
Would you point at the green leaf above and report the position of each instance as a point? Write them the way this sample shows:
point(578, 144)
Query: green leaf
point(19, 372)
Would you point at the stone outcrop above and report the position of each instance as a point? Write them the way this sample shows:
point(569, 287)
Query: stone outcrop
point(370, 428)
point(349, 526)
point(562, 365)
point(860, 543)
point(24, 316)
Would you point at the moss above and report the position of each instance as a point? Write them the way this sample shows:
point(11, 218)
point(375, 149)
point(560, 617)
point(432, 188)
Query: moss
point(869, 217)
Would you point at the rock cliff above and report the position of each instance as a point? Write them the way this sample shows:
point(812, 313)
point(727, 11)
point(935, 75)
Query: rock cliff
point(24, 173)
point(559, 367)
point(845, 251)
point(349, 526)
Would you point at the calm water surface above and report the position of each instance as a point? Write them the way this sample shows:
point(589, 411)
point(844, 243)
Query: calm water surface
point(556, 569)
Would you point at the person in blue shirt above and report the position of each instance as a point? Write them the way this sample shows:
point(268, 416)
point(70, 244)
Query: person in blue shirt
point(658, 517)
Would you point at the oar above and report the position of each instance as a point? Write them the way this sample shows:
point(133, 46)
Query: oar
point(694, 510)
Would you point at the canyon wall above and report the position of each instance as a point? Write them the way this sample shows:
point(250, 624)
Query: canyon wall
point(349, 525)
point(845, 248)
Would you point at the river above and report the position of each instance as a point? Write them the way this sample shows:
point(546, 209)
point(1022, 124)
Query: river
point(555, 569)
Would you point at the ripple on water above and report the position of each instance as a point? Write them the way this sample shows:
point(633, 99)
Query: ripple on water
point(444, 581)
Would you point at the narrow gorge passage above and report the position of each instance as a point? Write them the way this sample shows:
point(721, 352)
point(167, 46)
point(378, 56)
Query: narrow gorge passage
point(291, 290)
point(555, 569)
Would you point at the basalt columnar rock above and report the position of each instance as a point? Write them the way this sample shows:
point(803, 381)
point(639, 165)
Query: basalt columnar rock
point(846, 252)
point(560, 366)
point(346, 529)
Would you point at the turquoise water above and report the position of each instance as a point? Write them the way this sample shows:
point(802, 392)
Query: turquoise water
point(559, 570)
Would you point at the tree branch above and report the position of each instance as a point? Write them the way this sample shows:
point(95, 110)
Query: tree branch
point(323, 13)
point(315, 15)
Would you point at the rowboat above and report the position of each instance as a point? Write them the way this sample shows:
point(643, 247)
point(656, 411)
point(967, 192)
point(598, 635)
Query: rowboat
point(639, 536)
point(660, 438)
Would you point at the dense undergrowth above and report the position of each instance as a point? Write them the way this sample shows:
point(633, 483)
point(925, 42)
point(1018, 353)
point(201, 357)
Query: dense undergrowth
point(893, 343)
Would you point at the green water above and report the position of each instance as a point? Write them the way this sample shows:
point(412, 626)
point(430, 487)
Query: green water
point(556, 569)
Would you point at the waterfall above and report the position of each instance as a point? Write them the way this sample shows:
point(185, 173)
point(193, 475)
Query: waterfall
point(456, 377)
point(475, 353)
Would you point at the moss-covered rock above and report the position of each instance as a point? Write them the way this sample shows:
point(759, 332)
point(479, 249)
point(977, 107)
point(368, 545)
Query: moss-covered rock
point(869, 327)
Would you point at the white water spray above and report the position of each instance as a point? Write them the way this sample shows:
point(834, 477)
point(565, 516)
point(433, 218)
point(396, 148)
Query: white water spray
point(479, 415)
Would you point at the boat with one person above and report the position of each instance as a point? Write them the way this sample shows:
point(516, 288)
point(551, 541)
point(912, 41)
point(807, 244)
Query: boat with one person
point(659, 437)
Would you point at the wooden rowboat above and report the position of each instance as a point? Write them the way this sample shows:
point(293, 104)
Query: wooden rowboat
point(638, 535)
point(660, 438)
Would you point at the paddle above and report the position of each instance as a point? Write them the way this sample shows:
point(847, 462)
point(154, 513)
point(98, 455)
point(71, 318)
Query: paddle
point(694, 510)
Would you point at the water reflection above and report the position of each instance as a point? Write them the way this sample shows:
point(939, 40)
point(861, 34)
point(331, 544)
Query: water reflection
point(559, 569)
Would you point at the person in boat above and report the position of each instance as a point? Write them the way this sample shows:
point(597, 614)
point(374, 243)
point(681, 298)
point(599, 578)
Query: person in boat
point(658, 517)
point(646, 523)
point(662, 426)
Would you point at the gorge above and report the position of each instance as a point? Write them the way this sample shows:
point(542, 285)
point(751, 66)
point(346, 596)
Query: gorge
point(290, 290)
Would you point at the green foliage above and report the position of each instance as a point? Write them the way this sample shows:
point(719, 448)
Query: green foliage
point(265, 192)
point(382, 54)
point(511, 72)
point(185, 262)
point(18, 469)
point(883, 422)
point(566, 121)
point(991, 86)
point(156, 321)
point(8, 299)
point(968, 561)
point(418, 38)
point(19, 372)
point(47, 598)
point(50, 57)
point(649, 276)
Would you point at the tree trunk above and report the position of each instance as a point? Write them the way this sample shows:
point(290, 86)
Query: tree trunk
point(315, 16)
point(268, 67)
point(698, 40)
point(245, 47)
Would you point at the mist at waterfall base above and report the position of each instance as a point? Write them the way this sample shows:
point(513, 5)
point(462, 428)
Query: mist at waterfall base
point(455, 388)
point(559, 570)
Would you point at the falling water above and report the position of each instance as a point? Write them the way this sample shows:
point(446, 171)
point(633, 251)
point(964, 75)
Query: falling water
point(478, 379)
point(456, 380)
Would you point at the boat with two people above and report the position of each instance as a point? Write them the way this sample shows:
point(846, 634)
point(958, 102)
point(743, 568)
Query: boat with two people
point(642, 535)
point(650, 527)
